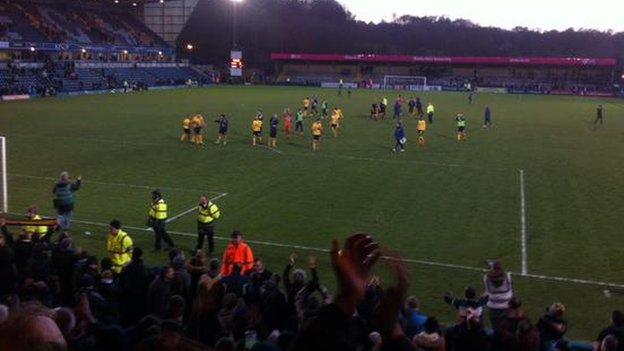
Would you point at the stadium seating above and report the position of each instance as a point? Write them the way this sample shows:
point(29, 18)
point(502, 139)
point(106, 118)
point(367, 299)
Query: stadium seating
point(26, 21)
point(64, 79)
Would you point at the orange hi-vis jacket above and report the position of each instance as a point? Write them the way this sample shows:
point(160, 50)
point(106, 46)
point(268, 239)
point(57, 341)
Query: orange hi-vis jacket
point(241, 255)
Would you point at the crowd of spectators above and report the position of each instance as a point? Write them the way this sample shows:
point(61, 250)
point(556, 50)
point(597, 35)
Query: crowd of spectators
point(56, 297)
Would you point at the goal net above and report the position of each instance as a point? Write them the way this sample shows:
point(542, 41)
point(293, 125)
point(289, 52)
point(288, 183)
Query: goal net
point(414, 83)
point(4, 196)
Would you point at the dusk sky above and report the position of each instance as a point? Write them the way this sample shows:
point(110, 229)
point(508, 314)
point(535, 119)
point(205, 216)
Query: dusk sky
point(534, 14)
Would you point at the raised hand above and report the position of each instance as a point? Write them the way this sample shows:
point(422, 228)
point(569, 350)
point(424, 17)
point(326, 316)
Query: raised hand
point(352, 266)
point(393, 299)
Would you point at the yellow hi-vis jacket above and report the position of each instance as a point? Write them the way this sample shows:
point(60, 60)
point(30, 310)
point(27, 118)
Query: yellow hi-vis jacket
point(209, 214)
point(430, 109)
point(120, 249)
point(39, 229)
point(158, 210)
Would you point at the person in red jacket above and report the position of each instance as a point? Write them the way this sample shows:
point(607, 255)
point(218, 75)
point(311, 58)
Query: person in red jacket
point(237, 253)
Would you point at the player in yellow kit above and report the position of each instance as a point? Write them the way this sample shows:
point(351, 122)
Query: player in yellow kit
point(317, 133)
point(256, 131)
point(198, 125)
point(422, 128)
point(186, 129)
point(336, 118)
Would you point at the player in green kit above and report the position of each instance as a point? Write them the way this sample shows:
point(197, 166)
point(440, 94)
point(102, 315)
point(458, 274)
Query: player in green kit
point(461, 127)
point(299, 122)
point(324, 109)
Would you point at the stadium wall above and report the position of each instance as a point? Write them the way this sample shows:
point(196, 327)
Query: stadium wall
point(168, 19)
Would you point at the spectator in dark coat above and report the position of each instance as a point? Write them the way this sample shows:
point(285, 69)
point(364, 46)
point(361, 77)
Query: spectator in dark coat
point(23, 252)
point(203, 322)
point(181, 283)
point(64, 199)
point(528, 336)
point(274, 307)
point(506, 338)
point(8, 272)
point(134, 283)
point(107, 287)
point(552, 326)
point(236, 282)
point(196, 267)
point(63, 262)
point(616, 329)
point(159, 294)
point(260, 271)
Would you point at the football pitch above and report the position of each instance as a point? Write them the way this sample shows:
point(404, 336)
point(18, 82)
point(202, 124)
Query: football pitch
point(541, 191)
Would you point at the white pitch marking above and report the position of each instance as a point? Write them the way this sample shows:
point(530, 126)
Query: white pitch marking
point(271, 149)
point(420, 262)
point(523, 234)
point(150, 187)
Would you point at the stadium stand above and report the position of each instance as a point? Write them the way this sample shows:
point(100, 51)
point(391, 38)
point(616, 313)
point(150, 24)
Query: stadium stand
point(48, 47)
point(514, 74)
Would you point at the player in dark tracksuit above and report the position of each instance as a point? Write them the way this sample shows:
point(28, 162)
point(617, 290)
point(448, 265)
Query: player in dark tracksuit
point(273, 122)
point(599, 114)
point(399, 136)
point(487, 117)
point(419, 107)
point(223, 129)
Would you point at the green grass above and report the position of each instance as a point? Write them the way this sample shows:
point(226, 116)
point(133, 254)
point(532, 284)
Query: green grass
point(449, 203)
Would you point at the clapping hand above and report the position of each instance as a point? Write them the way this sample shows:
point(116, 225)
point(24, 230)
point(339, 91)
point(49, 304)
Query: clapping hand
point(352, 266)
point(388, 309)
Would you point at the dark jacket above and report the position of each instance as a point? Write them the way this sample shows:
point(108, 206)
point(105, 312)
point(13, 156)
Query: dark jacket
point(64, 195)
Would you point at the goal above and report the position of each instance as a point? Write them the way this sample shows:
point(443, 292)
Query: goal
point(414, 83)
point(4, 193)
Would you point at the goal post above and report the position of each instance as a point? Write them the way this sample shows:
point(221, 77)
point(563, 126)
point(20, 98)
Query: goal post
point(415, 83)
point(4, 201)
